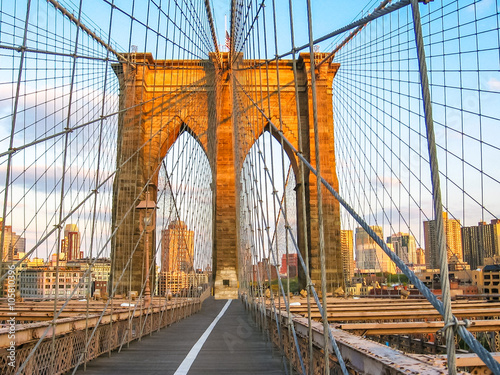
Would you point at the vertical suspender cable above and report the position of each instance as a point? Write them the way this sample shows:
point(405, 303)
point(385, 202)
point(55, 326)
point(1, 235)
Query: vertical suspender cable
point(289, 321)
point(94, 209)
point(63, 178)
point(436, 189)
point(302, 190)
point(319, 193)
point(12, 133)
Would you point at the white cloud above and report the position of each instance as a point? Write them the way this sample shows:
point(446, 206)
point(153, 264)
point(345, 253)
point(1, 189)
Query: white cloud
point(494, 84)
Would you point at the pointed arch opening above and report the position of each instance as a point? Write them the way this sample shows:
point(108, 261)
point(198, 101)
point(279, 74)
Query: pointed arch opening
point(184, 217)
point(268, 209)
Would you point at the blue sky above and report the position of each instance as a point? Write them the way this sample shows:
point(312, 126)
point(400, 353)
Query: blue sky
point(470, 85)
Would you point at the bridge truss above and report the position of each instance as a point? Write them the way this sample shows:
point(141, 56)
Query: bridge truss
point(415, 122)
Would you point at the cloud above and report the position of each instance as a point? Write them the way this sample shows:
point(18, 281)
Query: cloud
point(43, 108)
point(494, 84)
point(386, 181)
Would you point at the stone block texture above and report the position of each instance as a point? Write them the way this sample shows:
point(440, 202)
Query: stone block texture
point(160, 99)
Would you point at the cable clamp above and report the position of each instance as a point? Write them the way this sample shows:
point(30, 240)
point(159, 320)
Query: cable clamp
point(455, 323)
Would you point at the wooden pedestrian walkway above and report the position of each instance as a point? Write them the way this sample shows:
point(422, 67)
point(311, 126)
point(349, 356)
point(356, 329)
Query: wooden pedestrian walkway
point(233, 346)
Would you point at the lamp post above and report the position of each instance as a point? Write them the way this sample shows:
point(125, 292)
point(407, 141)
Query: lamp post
point(147, 224)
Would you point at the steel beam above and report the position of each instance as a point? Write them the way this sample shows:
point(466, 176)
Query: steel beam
point(368, 357)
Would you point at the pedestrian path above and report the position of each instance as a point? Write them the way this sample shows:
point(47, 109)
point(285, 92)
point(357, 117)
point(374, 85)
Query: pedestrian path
point(220, 339)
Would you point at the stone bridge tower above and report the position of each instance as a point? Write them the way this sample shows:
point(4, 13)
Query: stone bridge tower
point(163, 98)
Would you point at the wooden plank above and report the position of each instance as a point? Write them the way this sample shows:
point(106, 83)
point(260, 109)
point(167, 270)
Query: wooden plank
point(335, 308)
point(401, 328)
point(403, 315)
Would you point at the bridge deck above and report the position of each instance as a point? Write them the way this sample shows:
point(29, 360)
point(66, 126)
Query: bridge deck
point(235, 346)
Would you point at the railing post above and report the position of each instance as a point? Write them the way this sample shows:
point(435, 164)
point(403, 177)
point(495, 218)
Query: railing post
point(436, 190)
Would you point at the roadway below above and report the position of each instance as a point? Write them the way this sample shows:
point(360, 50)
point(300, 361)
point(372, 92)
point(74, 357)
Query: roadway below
point(234, 346)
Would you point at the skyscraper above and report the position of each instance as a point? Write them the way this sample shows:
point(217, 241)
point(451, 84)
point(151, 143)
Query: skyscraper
point(481, 241)
point(420, 256)
point(12, 243)
point(369, 256)
point(70, 244)
point(405, 247)
point(454, 239)
point(347, 249)
point(453, 236)
point(177, 248)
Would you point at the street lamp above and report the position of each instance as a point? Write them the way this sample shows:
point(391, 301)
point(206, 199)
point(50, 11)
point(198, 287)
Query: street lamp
point(147, 216)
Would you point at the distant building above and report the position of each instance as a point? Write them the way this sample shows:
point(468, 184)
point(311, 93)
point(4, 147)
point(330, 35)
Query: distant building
point(454, 264)
point(405, 247)
point(35, 262)
point(462, 281)
point(101, 269)
point(70, 244)
point(172, 282)
point(262, 270)
point(53, 260)
point(176, 283)
point(292, 261)
point(41, 282)
point(177, 251)
point(347, 250)
point(369, 256)
point(12, 243)
point(480, 242)
point(491, 281)
point(420, 256)
point(20, 255)
point(6, 283)
point(177, 248)
point(453, 236)
point(493, 260)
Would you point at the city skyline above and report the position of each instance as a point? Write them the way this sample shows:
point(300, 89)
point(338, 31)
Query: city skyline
point(156, 165)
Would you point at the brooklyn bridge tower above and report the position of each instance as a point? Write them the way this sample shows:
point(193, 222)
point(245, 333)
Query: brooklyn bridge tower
point(164, 98)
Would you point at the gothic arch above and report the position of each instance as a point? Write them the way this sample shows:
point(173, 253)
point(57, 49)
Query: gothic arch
point(165, 138)
point(156, 103)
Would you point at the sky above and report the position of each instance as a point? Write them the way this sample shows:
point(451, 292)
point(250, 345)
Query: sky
point(47, 80)
point(326, 15)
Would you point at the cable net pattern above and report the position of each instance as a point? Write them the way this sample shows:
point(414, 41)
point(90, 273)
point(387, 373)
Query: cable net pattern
point(107, 105)
point(379, 119)
point(66, 68)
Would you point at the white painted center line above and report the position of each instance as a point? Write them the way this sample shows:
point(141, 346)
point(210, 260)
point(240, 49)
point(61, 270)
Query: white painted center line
point(193, 353)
